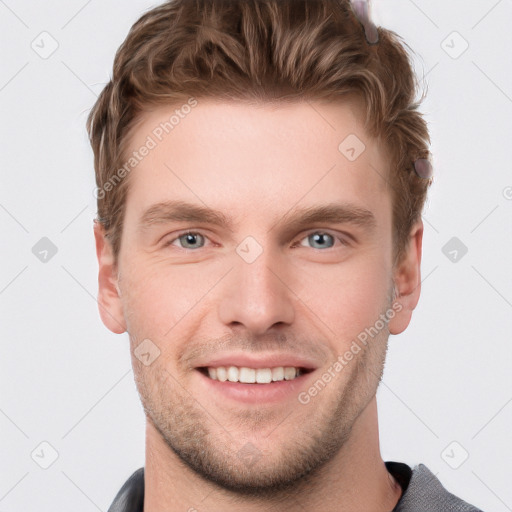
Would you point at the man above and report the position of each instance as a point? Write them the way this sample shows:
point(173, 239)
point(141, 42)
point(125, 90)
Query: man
point(261, 169)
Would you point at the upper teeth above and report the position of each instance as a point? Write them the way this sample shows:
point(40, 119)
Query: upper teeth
point(253, 375)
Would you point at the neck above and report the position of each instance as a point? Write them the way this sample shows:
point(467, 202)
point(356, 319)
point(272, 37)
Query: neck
point(355, 479)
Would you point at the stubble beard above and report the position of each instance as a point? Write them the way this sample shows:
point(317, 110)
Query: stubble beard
point(318, 430)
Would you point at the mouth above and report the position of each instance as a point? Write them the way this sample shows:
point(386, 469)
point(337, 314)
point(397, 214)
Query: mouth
point(242, 378)
point(247, 375)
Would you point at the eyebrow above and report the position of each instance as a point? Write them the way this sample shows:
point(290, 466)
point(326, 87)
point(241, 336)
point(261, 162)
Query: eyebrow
point(181, 211)
point(332, 213)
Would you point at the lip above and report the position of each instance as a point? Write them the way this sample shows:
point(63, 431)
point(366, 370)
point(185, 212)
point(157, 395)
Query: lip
point(254, 394)
point(267, 361)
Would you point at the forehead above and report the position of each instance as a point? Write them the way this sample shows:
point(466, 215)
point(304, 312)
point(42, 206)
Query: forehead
point(260, 157)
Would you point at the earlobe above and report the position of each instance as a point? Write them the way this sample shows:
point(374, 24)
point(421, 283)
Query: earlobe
point(109, 296)
point(407, 278)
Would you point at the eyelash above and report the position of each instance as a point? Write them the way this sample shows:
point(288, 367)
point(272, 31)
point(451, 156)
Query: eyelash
point(341, 240)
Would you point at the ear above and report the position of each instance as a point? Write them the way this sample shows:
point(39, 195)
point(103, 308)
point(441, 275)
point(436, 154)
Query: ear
point(407, 278)
point(109, 301)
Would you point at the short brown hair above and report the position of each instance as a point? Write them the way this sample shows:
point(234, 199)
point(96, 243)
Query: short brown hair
point(260, 50)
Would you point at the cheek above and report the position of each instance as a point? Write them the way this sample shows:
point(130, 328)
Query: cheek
point(157, 297)
point(347, 298)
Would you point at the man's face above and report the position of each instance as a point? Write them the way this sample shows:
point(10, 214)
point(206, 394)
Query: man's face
point(261, 292)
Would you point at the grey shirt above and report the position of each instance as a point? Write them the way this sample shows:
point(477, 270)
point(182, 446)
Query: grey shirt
point(422, 492)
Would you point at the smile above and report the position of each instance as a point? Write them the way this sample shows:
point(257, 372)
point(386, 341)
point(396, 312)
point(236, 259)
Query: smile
point(248, 375)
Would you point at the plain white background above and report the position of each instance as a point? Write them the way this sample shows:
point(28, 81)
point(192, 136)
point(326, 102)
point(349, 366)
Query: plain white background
point(446, 397)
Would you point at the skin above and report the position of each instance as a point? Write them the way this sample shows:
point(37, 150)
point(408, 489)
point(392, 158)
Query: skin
point(257, 163)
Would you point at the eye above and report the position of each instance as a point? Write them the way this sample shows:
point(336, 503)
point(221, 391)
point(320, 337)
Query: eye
point(188, 240)
point(322, 240)
point(318, 239)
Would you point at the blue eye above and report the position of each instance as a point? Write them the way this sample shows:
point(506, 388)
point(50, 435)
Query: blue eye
point(316, 239)
point(319, 237)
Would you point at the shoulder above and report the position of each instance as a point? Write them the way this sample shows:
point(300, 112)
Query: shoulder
point(425, 491)
point(130, 497)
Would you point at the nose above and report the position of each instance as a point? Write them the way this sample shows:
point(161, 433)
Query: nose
point(257, 295)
